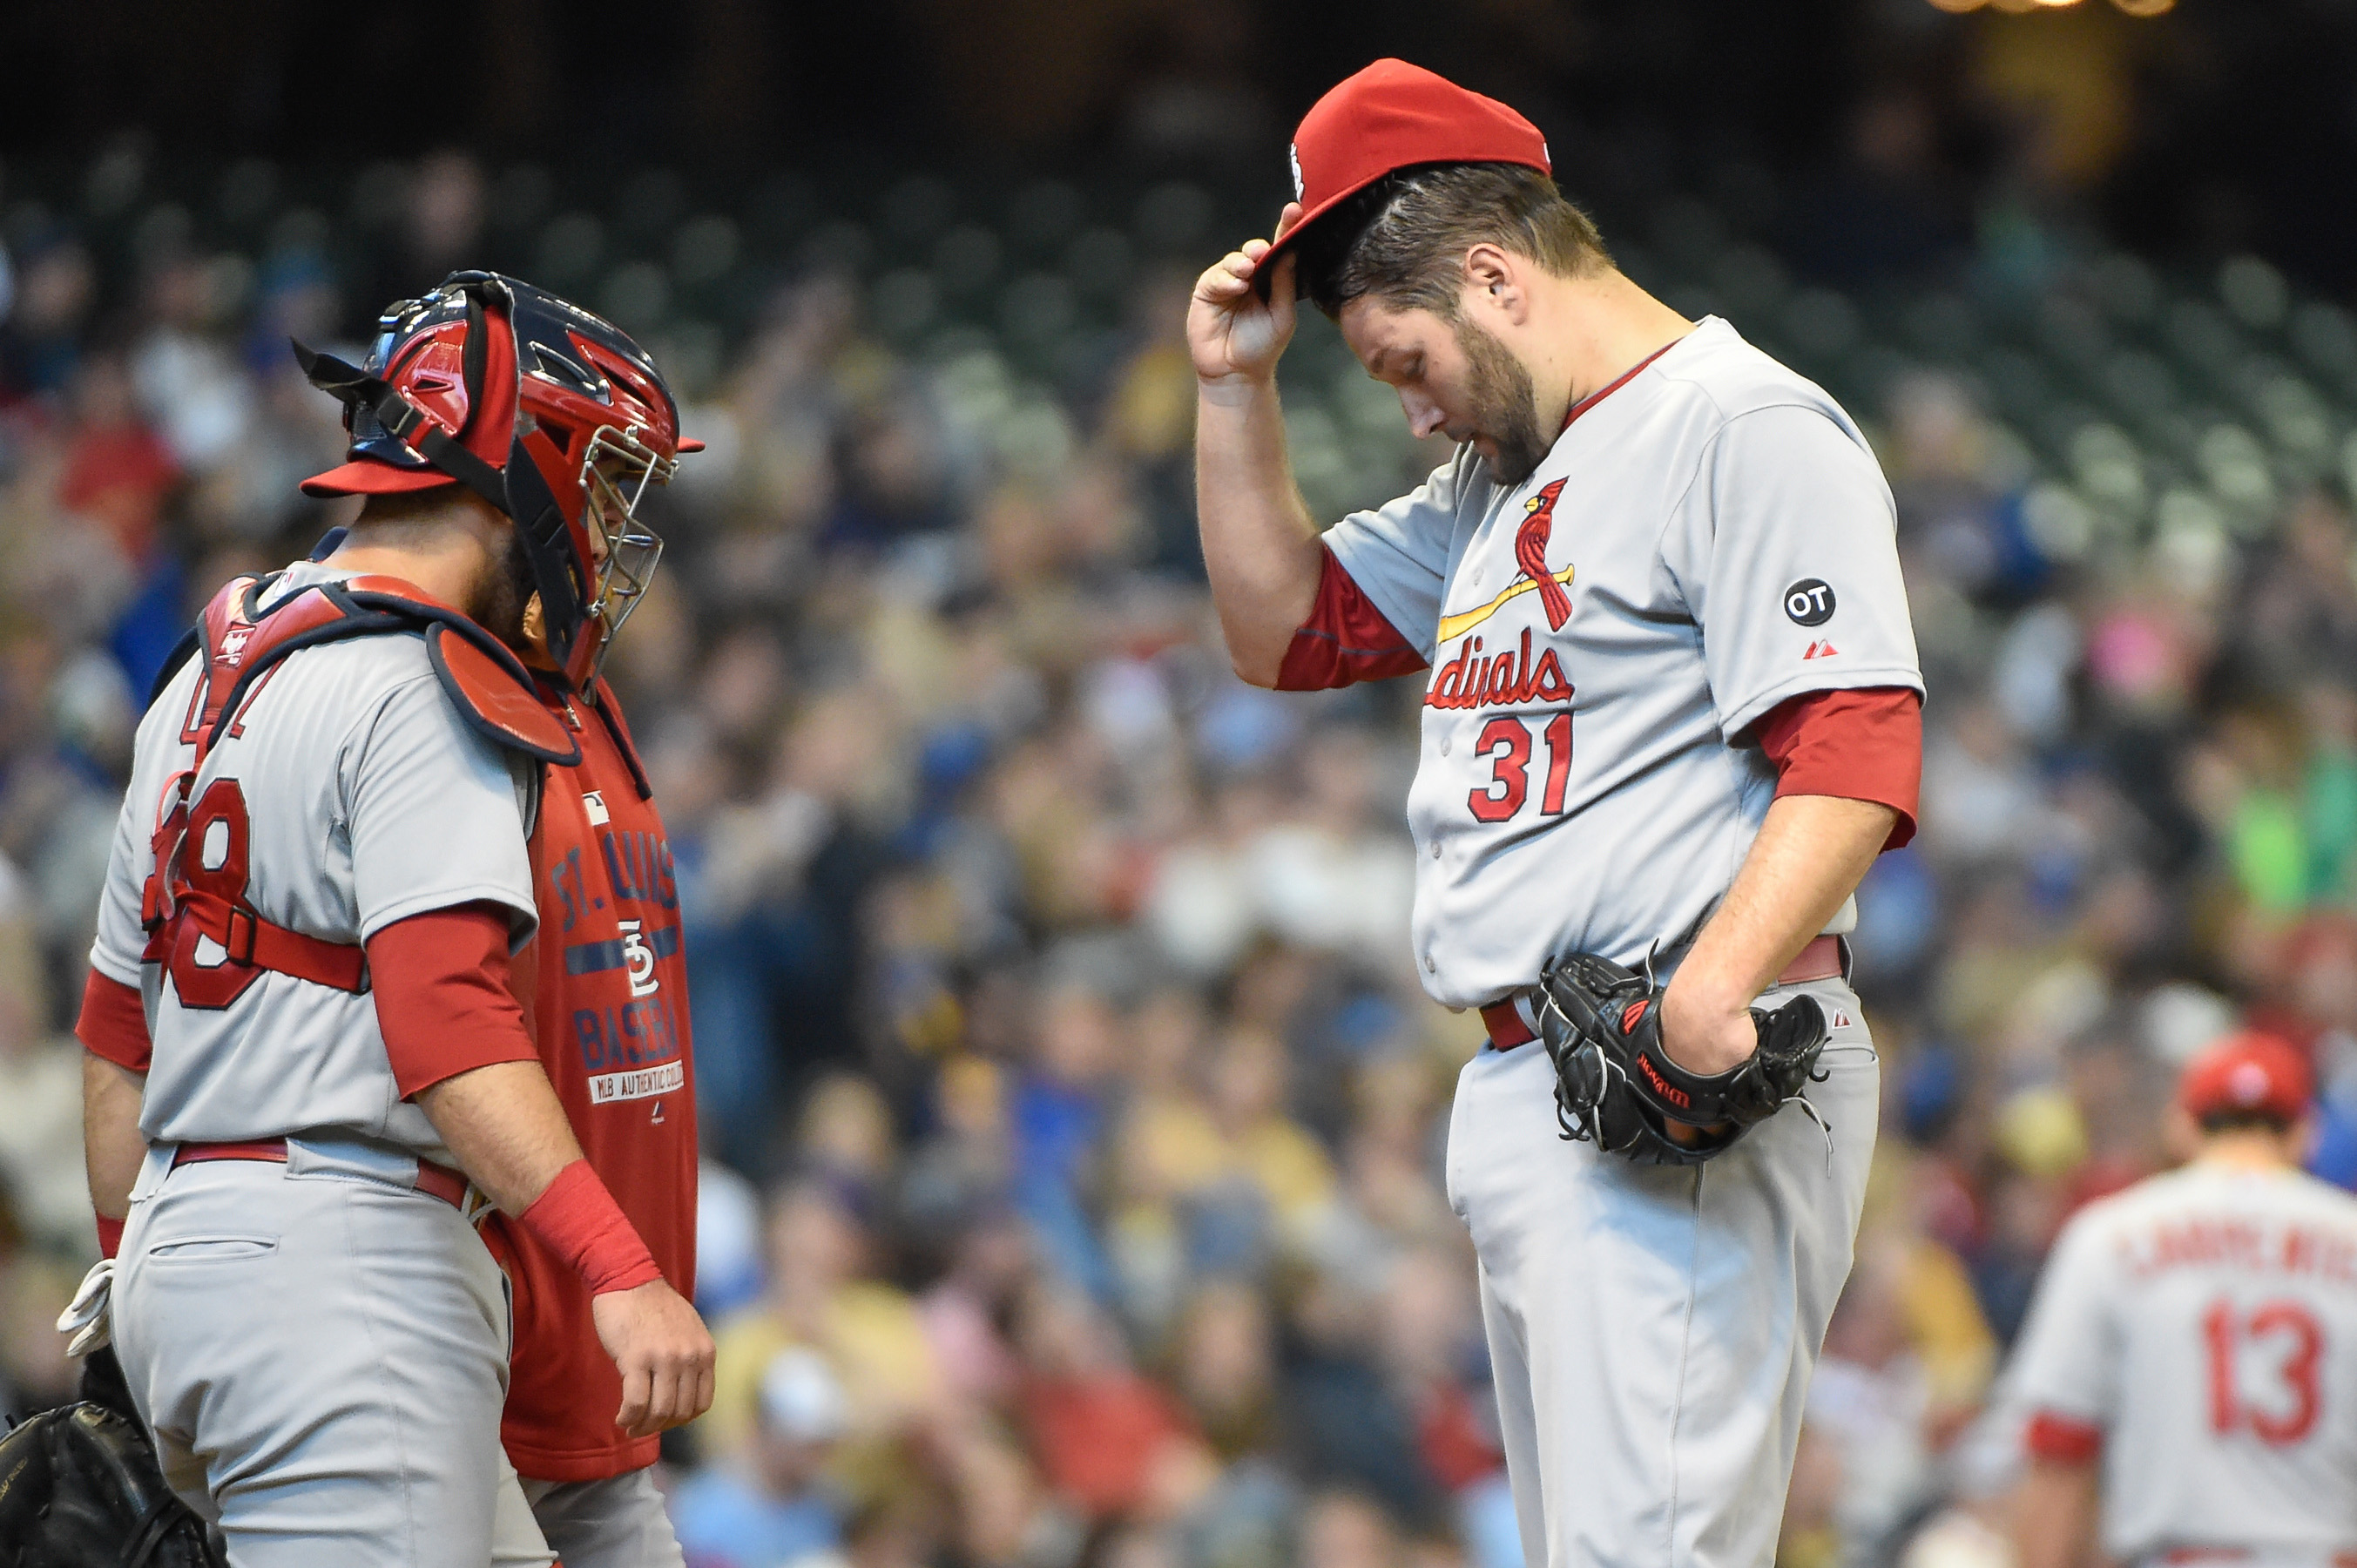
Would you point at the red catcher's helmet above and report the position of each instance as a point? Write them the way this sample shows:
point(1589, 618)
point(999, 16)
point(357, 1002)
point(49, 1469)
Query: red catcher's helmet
point(549, 412)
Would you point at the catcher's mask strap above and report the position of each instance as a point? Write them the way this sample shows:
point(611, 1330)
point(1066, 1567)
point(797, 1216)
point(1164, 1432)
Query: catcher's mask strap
point(402, 419)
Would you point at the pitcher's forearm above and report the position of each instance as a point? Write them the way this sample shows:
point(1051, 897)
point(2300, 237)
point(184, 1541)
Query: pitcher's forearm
point(1812, 852)
point(1260, 545)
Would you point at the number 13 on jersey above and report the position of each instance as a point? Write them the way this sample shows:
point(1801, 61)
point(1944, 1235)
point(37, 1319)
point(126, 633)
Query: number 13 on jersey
point(1506, 742)
point(2283, 1406)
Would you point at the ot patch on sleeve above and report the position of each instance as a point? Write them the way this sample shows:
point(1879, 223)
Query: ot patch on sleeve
point(1810, 602)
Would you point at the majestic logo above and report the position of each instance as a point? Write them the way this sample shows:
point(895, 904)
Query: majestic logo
point(1530, 553)
point(1810, 602)
point(1821, 651)
point(1477, 680)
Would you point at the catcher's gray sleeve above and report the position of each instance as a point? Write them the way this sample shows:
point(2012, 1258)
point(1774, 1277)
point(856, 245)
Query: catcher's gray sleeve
point(436, 814)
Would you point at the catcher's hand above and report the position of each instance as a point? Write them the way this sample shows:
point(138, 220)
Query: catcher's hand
point(1615, 1086)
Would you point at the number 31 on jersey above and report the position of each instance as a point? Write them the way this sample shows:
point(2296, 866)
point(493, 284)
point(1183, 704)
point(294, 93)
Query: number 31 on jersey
point(1506, 741)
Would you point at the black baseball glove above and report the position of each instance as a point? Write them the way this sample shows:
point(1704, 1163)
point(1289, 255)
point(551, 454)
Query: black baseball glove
point(1615, 1085)
point(79, 1489)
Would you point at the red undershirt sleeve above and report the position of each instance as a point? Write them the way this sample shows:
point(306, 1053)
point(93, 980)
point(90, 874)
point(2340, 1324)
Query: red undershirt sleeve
point(1346, 640)
point(2063, 1440)
point(441, 998)
point(1862, 745)
point(113, 1023)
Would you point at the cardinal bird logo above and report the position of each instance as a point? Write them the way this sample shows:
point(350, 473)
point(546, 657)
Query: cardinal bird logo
point(1530, 554)
point(1531, 551)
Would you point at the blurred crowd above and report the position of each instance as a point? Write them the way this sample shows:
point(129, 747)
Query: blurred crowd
point(1074, 1119)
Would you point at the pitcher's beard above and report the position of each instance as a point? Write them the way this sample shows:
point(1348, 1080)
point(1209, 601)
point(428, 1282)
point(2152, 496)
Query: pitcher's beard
point(1505, 404)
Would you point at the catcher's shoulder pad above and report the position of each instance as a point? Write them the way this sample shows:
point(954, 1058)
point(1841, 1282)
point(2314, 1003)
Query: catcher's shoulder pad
point(486, 682)
point(489, 686)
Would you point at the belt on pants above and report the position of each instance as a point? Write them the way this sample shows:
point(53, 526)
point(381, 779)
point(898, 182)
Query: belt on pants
point(1508, 1028)
point(435, 1181)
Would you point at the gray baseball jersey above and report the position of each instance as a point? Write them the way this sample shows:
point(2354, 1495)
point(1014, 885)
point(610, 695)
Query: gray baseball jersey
point(1710, 538)
point(2203, 1326)
point(365, 799)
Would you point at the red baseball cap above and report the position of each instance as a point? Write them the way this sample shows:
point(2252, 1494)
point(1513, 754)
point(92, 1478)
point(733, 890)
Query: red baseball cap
point(2249, 1071)
point(1394, 115)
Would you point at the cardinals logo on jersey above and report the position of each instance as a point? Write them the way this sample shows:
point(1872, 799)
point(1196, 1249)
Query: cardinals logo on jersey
point(1530, 553)
point(1531, 542)
point(638, 961)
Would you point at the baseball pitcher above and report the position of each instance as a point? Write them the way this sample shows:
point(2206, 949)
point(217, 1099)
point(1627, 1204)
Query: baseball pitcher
point(1671, 715)
point(307, 1075)
point(2189, 1365)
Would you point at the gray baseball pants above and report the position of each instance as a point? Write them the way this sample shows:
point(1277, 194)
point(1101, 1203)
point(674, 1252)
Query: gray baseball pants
point(1652, 1329)
point(322, 1353)
point(617, 1522)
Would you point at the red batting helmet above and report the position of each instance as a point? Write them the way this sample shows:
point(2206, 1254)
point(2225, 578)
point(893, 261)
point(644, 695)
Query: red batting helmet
point(551, 414)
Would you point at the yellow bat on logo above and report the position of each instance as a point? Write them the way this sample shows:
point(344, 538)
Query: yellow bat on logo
point(1456, 625)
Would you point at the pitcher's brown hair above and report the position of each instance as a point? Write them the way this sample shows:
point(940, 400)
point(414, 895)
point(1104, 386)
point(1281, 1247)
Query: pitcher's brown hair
point(1403, 238)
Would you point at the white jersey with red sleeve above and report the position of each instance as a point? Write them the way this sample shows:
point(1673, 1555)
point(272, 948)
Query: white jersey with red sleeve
point(2199, 1333)
point(1709, 537)
point(347, 794)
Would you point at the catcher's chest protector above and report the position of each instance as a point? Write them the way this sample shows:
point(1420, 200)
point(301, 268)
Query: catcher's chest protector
point(240, 647)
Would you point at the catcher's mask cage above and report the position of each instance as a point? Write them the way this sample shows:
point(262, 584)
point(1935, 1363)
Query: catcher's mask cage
point(549, 412)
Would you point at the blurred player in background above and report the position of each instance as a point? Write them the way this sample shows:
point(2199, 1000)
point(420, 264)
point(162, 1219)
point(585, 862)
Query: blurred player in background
point(605, 988)
point(2189, 1366)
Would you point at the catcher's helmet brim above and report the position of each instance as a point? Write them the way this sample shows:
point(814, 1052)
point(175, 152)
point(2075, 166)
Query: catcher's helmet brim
point(365, 477)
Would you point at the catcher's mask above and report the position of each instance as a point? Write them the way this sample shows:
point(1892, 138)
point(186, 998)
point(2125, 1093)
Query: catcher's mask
point(552, 414)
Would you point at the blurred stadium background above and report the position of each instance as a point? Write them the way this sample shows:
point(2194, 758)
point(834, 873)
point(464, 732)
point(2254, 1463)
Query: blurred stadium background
point(1074, 1119)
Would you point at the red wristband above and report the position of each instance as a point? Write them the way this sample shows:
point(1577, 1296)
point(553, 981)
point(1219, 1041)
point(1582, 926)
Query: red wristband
point(578, 1221)
point(109, 1236)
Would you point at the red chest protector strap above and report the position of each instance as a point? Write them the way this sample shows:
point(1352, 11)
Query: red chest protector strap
point(239, 648)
